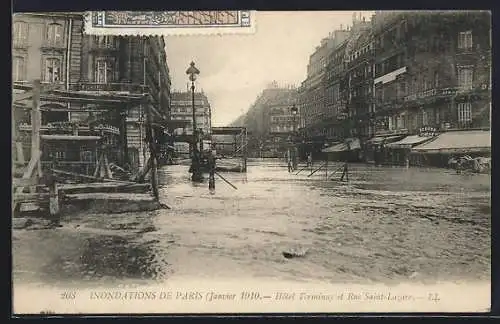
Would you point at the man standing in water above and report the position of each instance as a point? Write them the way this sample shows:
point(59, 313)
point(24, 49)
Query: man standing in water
point(309, 160)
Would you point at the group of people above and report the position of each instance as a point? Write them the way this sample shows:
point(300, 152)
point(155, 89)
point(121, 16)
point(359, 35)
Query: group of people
point(291, 166)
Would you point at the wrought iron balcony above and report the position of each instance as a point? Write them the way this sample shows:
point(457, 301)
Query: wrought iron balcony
point(69, 127)
point(110, 87)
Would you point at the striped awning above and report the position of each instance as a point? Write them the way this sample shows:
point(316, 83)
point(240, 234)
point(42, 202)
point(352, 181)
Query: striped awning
point(409, 141)
point(458, 142)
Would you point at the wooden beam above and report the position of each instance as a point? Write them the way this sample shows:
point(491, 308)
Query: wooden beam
point(152, 150)
point(36, 124)
point(84, 176)
point(28, 174)
point(21, 182)
point(22, 96)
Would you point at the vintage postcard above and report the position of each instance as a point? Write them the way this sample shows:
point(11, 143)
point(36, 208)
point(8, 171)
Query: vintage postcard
point(251, 162)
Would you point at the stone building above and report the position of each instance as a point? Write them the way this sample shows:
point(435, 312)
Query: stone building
point(432, 70)
point(359, 77)
point(312, 92)
point(182, 111)
point(53, 48)
point(336, 85)
point(270, 121)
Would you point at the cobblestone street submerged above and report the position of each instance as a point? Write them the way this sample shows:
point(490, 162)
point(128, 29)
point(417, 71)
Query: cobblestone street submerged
point(385, 225)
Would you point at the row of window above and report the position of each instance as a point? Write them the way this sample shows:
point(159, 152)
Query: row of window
point(51, 70)
point(53, 65)
point(188, 108)
point(403, 88)
point(53, 33)
point(429, 117)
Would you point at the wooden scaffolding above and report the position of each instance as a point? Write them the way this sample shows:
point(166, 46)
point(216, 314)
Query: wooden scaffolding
point(32, 175)
point(237, 148)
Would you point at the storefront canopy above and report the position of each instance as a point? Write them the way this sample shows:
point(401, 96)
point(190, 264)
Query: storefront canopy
point(457, 142)
point(409, 141)
point(348, 145)
point(340, 147)
point(383, 139)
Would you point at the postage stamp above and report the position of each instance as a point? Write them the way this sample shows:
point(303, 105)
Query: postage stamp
point(169, 22)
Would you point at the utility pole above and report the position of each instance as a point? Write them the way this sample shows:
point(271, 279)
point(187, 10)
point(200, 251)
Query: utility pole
point(36, 124)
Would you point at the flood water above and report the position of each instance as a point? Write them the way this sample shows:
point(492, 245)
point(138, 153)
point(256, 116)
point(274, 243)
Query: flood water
point(384, 225)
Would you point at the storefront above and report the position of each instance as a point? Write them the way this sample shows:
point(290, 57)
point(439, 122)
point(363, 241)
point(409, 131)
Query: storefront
point(349, 150)
point(401, 150)
point(437, 153)
point(375, 150)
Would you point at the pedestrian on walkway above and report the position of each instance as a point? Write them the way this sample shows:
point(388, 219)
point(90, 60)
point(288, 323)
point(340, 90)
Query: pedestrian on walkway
point(345, 173)
point(309, 160)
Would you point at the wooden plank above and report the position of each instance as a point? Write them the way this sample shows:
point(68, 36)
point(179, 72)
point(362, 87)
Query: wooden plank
point(84, 176)
point(20, 153)
point(24, 197)
point(22, 96)
point(28, 174)
point(16, 182)
point(36, 125)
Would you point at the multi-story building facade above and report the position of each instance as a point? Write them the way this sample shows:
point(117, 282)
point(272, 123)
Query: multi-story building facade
point(312, 94)
point(43, 47)
point(336, 85)
point(359, 77)
point(439, 79)
point(270, 121)
point(182, 111)
point(52, 47)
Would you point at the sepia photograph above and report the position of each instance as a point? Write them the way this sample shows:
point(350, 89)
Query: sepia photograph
point(251, 162)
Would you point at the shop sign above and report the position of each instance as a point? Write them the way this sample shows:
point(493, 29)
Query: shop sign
point(427, 131)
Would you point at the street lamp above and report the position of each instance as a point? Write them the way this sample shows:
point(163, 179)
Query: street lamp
point(193, 72)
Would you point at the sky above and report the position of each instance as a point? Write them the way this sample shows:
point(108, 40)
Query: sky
point(234, 69)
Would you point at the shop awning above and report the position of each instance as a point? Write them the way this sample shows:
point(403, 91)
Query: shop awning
point(348, 145)
point(457, 142)
point(409, 141)
point(386, 139)
point(340, 147)
point(354, 143)
point(70, 137)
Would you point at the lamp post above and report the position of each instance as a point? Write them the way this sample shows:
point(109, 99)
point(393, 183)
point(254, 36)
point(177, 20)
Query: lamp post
point(195, 169)
point(294, 112)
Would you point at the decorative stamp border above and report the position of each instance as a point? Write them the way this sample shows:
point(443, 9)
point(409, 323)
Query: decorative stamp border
point(164, 23)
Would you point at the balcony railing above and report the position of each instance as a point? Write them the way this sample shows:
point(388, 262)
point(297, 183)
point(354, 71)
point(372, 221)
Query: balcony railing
point(431, 93)
point(69, 128)
point(53, 44)
point(110, 87)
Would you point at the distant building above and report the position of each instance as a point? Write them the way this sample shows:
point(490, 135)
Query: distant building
point(269, 120)
point(182, 111)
